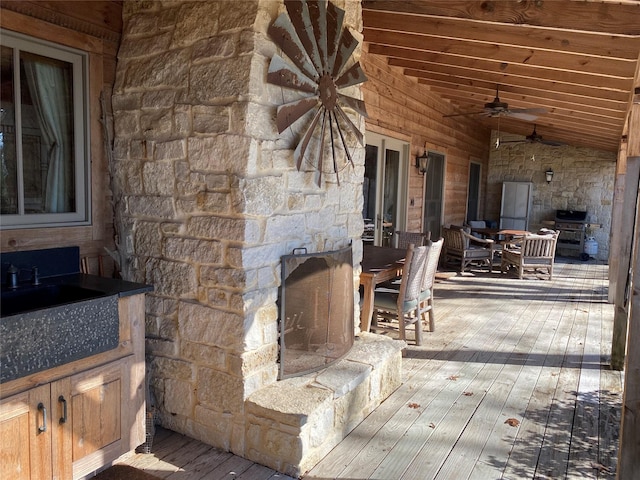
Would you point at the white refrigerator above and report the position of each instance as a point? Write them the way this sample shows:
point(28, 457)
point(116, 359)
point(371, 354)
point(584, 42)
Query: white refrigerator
point(517, 201)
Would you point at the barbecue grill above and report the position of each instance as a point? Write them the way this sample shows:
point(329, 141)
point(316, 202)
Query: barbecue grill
point(572, 225)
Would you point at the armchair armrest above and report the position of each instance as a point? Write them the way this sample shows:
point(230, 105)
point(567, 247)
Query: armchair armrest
point(484, 241)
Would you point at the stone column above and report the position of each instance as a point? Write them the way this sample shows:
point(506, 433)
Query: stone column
point(207, 199)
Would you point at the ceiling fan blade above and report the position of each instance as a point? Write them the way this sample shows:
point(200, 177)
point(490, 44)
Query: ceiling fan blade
point(463, 114)
point(551, 143)
point(520, 116)
point(535, 111)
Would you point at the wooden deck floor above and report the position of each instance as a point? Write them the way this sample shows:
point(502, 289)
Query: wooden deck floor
point(513, 384)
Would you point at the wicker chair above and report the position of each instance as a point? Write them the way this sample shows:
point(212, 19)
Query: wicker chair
point(536, 252)
point(402, 306)
point(464, 249)
point(426, 293)
point(403, 239)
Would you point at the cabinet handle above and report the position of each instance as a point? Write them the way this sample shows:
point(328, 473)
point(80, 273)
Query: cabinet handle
point(43, 409)
point(62, 400)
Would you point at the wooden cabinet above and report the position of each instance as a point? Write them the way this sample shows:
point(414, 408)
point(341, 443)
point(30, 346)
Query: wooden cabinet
point(25, 435)
point(75, 424)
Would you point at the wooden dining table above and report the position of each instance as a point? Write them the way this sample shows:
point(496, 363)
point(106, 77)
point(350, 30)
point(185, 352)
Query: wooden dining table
point(495, 233)
point(379, 264)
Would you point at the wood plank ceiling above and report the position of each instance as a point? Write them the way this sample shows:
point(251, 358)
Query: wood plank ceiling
point(577, 60)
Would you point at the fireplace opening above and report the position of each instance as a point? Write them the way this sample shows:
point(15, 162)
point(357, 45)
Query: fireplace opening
point(316, 310)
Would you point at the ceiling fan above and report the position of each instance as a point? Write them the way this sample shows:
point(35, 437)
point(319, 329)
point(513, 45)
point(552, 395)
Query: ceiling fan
point(498, 108)
point(534, 138)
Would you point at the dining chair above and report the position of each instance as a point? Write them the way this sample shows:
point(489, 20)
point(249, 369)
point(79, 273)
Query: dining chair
point(532, 252)
point(403, 305)
point(402, 239)
point(426, 292)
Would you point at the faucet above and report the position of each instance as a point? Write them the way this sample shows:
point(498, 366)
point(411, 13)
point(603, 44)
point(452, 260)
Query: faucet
point(13, 274)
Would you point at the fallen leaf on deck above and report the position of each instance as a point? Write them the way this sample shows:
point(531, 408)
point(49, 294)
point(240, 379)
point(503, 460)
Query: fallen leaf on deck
point(513, 422)
point(414, 405)
point(452, 377)
point(600, 467)
point(432, 425)
point(467, 394)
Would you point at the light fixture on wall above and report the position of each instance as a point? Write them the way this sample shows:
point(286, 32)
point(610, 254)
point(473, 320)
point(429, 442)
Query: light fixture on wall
point(422, 162)
point(549, 175)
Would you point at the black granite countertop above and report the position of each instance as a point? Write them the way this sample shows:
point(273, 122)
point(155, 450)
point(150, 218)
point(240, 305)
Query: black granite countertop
point(109, 286)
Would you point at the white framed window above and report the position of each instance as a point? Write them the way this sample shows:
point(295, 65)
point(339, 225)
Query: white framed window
point(44, 134)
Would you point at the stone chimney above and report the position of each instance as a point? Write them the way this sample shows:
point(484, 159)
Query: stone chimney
point(208, 198)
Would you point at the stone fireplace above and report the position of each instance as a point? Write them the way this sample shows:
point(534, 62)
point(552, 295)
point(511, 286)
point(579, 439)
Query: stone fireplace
point(207, 199)
point(316, 310)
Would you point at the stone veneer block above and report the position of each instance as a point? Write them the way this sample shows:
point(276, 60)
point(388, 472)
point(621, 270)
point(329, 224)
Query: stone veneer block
point(293, 424)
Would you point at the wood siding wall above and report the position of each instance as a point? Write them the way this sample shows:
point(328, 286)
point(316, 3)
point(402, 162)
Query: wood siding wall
point(401, 108)
point(94, 27)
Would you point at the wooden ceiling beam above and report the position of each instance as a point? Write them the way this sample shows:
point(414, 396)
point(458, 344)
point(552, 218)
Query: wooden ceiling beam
point(621, 17)
point(474, 78)
point(623, 47)
point(570, 121)
point(559, 134)
point(482, 96)
point(509, 54)
point(573, 117)
point(543, 98)
point(576, 59)
point(438, 61)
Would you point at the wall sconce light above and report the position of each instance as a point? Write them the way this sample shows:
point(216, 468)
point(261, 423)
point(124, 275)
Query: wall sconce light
point(549, 175)
point(422, 162)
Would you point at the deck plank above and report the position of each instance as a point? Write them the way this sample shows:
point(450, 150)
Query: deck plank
point(522, 374)
point(465, 449)
point(530, 350)
point(458, 373)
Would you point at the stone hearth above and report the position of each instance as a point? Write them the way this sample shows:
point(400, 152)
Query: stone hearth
point(294, 423)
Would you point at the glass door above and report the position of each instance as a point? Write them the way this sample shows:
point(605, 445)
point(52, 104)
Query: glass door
point(473, 195)
point(384, 188)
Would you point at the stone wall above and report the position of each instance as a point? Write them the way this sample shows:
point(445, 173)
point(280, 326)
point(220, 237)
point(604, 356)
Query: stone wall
point(583, 180)
point(208, 198)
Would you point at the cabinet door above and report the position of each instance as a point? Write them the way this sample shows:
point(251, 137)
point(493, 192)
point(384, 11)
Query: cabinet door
point(61, 429)
point(97, 399)
point(25, 435)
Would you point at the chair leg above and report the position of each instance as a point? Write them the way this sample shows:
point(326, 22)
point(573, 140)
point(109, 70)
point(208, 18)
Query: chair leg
point(418, 324)
point(401, 327)
point(429, 309)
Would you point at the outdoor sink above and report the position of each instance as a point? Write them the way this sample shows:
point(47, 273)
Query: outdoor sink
point(49, 325)
point(29, 298)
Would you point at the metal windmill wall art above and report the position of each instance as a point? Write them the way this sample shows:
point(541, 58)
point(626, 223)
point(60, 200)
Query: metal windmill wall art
point(312, 36)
